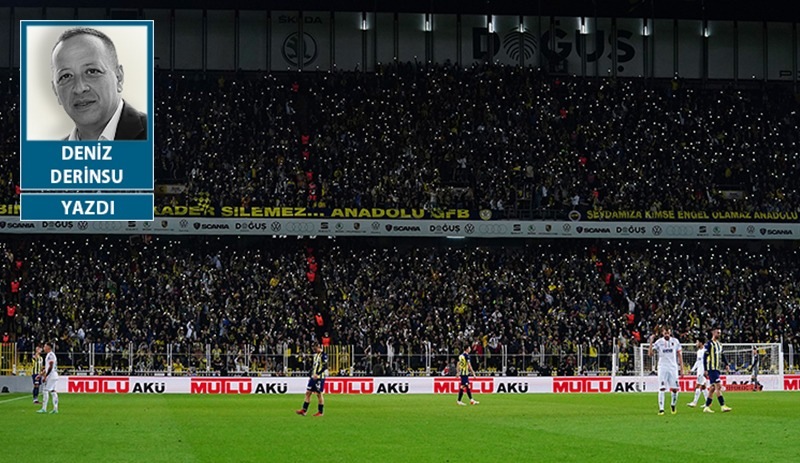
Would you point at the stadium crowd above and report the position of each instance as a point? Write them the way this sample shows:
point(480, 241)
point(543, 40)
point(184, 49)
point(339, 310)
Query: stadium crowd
point(533, 298)
point(486, 137)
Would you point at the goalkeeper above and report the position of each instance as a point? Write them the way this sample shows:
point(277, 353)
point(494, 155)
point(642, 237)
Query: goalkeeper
point(754, 366)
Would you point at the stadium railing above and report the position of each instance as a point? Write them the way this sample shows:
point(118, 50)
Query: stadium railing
point(9, 360)
point(739, 358)
point(198, 359)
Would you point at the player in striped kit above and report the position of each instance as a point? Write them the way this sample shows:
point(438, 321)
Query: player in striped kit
point(464, 370)
point(714, 362)
point(670, 362)
point(36, 372)
point(316, 382)
point(700, 371)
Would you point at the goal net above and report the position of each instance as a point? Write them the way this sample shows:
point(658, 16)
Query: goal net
point(741, 359)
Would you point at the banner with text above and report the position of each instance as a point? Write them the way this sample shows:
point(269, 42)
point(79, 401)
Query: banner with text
point(257, 212)
point(412, 228)
point(399, 385)
point(688, 216)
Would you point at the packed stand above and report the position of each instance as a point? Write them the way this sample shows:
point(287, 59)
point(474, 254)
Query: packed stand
point(486, 137)
point(534, 299)
point(9, 138)
point(113, 291)
point(549, 298)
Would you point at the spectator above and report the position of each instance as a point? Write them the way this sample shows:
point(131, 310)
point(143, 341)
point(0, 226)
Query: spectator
point(439, 136)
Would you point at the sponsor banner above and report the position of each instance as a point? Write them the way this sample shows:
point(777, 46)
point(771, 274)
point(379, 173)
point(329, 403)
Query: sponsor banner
point(347, 385)
point(124, 385)
point(406, 385)
point(576, 384)
point(96, 384)
point(522, 384)
point(451, 385)
point(742, 383)
point(287, 50)
point(731, 383)
point(417, 228)
point(601, 384)
point(221, 385)
point(790, 383)
point(278, 385)
point(634, 384)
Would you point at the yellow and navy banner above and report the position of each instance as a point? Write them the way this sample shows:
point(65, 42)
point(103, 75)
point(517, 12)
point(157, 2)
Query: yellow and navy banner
point(203, 205)
point(680, 215)
point(203, 208)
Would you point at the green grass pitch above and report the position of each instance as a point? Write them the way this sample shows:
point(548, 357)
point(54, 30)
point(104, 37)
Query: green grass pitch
point(763, 427)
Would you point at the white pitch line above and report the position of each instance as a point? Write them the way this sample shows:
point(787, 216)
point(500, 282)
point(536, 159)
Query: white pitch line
point(11, 400)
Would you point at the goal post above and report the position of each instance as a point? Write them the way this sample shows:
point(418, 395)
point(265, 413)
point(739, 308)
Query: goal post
point(738, 355)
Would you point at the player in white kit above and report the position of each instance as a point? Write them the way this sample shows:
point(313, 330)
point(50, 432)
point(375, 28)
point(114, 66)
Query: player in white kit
point(50, 379)
point(700, 370)
point(670, 363)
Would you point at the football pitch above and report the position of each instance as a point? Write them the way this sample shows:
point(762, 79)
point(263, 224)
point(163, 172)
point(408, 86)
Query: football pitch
point(763, 427)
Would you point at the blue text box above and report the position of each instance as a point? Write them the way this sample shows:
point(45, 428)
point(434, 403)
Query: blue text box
point(86, 206)
point(110, 165)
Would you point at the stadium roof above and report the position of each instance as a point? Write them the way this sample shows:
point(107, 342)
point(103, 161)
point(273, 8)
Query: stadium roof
point(750, 10)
